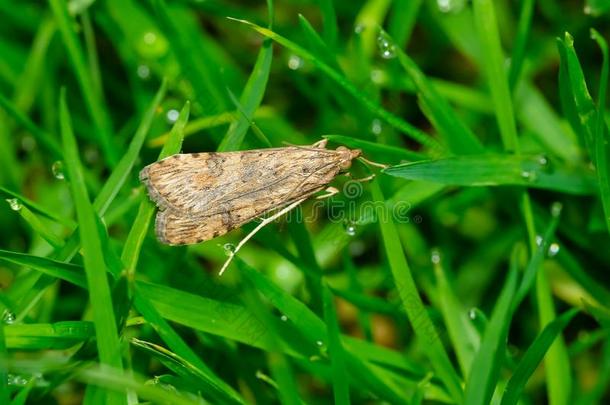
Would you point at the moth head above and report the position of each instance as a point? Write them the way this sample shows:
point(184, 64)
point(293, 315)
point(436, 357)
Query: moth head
point(347, 155)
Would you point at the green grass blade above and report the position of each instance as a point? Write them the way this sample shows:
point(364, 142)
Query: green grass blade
point(329, 23)
point(252, 95)
point(601, 143)
point(496, 170)
point(64, 271)
point(21, 200)
point(376, 149)
point(137, 233)
point(95, 269)
point(47, 140)
point(55, 336)
point(92, 100)
point(422, 325)
point(486, 365)
point(523, 36)
point(533, 356)
point(578, 104)
point(402, 20)
point(340, 80)
point(493, 65)
point(199, 380)
point(335, 348)
point(4, 389)
point(457, 135)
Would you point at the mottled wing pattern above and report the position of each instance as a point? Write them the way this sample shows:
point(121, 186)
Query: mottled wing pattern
point(202, 196)
point(204, 182)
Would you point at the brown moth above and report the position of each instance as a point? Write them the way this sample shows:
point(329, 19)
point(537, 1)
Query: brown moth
point(204, 195)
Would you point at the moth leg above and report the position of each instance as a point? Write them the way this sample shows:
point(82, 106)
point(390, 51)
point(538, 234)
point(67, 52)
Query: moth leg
point(255, 230)
point(363, 179)
point(320, 144)
point(370, 162)
point(330, 191)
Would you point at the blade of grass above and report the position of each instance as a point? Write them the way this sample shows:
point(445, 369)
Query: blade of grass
point(253, 93)
point(496, 170)
point(340, 80)
point(457, 135)
point(99, 291)
point(601, 144)
point(329, 23)
point(64, 271)
point(93, 102)
point(534, 355)
point(375, 148)
point(215, 388)
point(4, 389)
point(139, 229)
point(493, 65)
point(48, 336)
point(523, 34)
point(402, 20)
point(44, 138)
point(336, 350)
point(424, 329)
point(485, 368)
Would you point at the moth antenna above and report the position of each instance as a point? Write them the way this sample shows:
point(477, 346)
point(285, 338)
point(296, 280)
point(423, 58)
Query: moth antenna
point(370, 162)
point(255, 230)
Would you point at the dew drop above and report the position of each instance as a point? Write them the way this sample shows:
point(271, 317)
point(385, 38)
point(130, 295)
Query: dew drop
point(444, 5)
point(172, 116)
point(57, 168)
point(556, 208)
point(320, 343)
point(229, 249)
point(14, 203)
point(538, 240)
point(143, 71)
point(350, 228)
point(376, 126)
point(359, 29)
point(530, 176)
point(16, 380)
point(553, 249)
point(543, 160)
point(472, 314)
point(8, 317)
point(284, 318)
point(295, 62)
point(435, 257)
point(386, 48)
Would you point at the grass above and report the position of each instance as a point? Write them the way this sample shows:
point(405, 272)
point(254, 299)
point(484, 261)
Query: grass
point(471, 270)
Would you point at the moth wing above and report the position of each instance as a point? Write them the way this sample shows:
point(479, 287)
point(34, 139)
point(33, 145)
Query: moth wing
point(177, 228)
point(217, 183)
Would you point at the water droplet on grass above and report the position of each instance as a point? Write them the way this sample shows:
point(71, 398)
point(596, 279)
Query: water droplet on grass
point(14, 203)
point(58, 170)
point(387, 49)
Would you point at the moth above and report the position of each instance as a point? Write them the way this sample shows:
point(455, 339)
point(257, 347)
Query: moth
point(204, 195)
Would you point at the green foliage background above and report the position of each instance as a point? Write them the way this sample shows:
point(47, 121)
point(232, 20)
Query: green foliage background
point(473, 269)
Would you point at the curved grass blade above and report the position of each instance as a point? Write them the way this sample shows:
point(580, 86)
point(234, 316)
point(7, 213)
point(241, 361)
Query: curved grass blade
point(340, 80)
point(252, 95)
point(64, 271)
point(215, 388)
point(424, 329)
point(376, 148)
point(493, 65)
point(523, 33)
point(485, 368)
point(601, 143)
point(497, 170)
point(48, 336)
point(534, 355)
point(336, 350)
point(137, 233)
point(93, 257)
point(460, 139)
point(93, 101)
